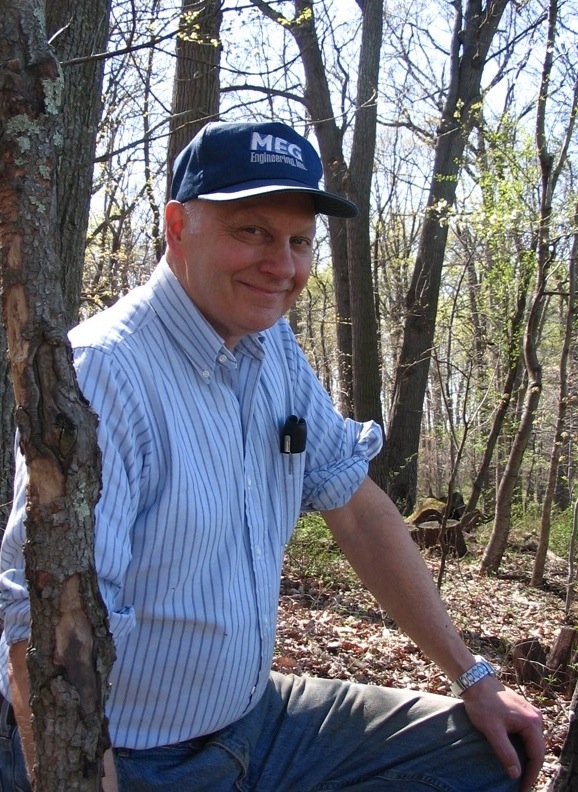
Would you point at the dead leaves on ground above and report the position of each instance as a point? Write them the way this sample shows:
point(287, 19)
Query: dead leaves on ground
point(339, 631)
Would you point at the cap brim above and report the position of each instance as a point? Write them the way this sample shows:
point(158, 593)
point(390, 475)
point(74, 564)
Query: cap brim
point(325, 203)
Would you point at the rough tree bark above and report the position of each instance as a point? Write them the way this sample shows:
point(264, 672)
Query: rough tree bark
point(78, 30)
point(473, 33)
point(6, 433)
point(71, 650)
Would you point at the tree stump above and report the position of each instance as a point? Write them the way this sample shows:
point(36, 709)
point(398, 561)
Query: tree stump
point(554, 669)
point(560, 664)
point(529, 661)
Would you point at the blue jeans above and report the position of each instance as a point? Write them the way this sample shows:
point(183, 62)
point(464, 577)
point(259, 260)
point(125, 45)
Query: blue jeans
point(315, 735)
point(13, 776)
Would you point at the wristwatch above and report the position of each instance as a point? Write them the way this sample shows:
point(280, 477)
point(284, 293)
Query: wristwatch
point(479, 670)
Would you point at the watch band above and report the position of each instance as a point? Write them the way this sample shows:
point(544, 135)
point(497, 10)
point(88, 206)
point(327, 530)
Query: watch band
point(479, 670)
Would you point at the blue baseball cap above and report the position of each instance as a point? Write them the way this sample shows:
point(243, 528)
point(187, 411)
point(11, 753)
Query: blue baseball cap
point(228, 161)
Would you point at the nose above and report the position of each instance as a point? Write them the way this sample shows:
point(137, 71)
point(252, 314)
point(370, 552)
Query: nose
point(279, 259)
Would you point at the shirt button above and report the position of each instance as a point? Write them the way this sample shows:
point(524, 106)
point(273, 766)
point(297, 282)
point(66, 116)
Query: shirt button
point(206, 374)
point(222, 358)
point(248, 480)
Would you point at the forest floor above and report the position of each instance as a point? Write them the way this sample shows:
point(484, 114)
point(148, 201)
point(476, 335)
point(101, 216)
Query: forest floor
point(330, 626)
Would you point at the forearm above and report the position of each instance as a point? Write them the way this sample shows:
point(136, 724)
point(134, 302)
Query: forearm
point(375, 539)
point(20, 697)
point(109, 781)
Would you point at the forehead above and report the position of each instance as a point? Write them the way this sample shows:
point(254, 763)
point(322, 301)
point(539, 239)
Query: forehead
point(298, 207)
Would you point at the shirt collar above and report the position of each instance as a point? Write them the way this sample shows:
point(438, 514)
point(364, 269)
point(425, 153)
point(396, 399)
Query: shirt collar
point(191, 331)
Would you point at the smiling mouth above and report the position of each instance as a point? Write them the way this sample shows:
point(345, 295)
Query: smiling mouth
point(263, 290)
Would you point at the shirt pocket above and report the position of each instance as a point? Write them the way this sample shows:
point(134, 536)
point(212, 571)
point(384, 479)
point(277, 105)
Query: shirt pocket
point(292, 470)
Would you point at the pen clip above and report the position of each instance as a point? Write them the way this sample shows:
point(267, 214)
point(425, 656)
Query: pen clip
point(294, 435)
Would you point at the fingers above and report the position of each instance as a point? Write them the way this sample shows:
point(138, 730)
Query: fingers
point(535, 752)
point(500, 714)
point(505, 751)
point(533, 749)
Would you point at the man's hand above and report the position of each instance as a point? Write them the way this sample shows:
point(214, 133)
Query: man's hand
point(498, 712)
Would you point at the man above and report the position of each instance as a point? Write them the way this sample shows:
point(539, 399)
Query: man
point(215, 433)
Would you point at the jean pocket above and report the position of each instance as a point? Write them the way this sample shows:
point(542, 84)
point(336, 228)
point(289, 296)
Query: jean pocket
point(13, 777)
point(195, 767)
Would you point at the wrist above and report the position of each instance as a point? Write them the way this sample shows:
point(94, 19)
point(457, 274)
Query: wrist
point(476, 672)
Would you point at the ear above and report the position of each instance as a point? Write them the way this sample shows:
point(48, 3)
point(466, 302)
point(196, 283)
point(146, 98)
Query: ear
point(175, 220)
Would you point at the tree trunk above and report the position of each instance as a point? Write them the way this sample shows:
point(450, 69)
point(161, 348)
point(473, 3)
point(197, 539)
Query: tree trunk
point(366, 362)
point(569, 335)
point(550, 171)
point(499, 537)
point(471, 40)
point(317, 97)
point(71, 650)
point(330, 140)
point(196, 82)
point(358, 358)
point(566, 779)
point(6, 434)
point(513, 376)
point(76, 30)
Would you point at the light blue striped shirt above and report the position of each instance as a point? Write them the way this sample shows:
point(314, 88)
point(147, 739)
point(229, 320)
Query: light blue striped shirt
point(198, 503)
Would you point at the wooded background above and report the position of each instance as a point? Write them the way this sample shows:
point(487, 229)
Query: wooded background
point(447, 310)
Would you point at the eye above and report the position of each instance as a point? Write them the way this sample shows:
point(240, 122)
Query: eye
point(252, 231)
point(301, 242)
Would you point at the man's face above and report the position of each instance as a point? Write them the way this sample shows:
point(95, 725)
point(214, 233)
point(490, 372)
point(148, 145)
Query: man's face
point(243, 263)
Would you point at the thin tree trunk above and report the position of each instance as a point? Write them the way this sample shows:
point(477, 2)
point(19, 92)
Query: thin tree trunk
point(366, 362)
point(570, 326)
point(471, 40)
point(196, 82)
point(566, 779)
point(330, 140)
point(317, 98)
point(499, 538)
point(550, 172)
point(514, 364)
point(156, 231)
point(77, 29)
point(71, 649)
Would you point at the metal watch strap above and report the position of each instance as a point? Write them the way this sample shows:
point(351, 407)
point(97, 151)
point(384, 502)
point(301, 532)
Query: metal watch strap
point(479, 670)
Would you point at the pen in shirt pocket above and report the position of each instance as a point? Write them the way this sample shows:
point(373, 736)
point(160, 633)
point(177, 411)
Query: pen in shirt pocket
point(293, 438)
